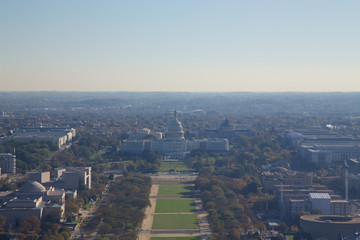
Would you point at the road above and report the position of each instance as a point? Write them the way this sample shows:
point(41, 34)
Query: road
point(79, 233)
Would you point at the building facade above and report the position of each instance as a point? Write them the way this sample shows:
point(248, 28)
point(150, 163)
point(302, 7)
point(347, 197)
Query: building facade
point(32, 199)
point(70, 178)
point(61, 136)
point(174, 144)
point(8, 163)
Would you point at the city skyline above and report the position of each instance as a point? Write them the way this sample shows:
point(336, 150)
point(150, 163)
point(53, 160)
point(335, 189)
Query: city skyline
point(201, 46)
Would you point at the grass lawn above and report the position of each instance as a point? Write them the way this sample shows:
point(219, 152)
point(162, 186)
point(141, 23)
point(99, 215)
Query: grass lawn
point(177, 205)
point(175, 190)
point(175, 221)
point(99, 153)
point(178, 166)
point(88, 206)
point(175, 238)
point(79, 219)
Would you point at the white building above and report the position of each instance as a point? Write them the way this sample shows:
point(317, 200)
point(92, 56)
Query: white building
point(320, 201)
point(174, 143)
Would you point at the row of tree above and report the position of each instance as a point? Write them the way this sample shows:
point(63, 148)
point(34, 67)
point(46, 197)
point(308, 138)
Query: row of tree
point(123, 210)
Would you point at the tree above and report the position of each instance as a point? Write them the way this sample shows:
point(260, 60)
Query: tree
point(2, 222)
point(283, 228)
point(299, 214)
point(71, 208)
point(234, 234)
point(105, 228)
point(54, 216)
point(30, 224)
point(316, 211)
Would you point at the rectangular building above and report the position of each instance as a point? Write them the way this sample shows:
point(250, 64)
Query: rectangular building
point(8, 163)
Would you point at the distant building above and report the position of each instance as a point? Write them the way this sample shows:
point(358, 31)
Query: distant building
point(8, 163)
point(60, 136)
point(174, 144)
point(330, 154)
point(323, 147)
point(140, 134)
point(293, 199)
point(226, 130)
point(279, 175)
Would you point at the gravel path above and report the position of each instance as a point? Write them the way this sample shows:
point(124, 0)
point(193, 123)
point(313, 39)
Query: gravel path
point(149, 214)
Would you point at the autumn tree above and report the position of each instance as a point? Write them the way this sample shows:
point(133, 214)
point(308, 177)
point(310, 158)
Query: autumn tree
point(30, 224)
point(2, 222)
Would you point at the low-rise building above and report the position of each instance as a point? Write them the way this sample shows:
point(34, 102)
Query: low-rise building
point(228, 131)
point(279, 175)
point(32, 199)
point(70, 178)
point(60, 136)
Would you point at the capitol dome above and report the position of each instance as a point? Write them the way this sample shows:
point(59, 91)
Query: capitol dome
point(32, 187)
point(175, 129)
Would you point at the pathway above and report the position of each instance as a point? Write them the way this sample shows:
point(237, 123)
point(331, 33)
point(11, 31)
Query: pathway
point(149, 214)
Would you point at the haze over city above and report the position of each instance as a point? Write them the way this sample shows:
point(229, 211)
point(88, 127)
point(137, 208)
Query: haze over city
point(180, 120)
point(172, 46)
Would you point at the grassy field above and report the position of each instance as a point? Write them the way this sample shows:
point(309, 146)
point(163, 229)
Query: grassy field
point(175, 221)
point(99, 153)
point(88, 206)
point(178, 166)
point(175, 238)
point(175, 190)
point(174, 205)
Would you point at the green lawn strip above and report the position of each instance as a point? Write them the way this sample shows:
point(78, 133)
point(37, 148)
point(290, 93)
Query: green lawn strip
point(175, 190)
point(165, 205)
point(175, 238)
point(175, 221)
point(178, 166)
point(99, 153)
point(88, 206)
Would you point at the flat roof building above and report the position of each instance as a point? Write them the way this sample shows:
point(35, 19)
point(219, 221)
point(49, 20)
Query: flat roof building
point(8, 163)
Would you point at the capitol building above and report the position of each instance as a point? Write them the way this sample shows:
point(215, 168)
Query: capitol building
point(173, 144)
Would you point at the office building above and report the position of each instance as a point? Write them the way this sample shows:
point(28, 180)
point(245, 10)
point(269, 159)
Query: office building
point(8, 163)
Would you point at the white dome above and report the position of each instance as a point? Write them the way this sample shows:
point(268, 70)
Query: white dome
point(175, 130)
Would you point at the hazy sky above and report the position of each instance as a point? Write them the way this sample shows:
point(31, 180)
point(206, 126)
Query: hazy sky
point(169, 45)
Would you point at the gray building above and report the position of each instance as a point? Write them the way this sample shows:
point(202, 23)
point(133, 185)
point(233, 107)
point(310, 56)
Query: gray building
point(41, 177)
point(70, 178)
point(228, 131)
point(8, 163)
point(32, 199)
point(60, 136)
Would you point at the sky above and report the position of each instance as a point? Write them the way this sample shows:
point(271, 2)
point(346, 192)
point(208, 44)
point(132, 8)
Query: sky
point(172, 45)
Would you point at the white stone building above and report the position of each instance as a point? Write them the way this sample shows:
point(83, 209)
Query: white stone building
point(174, 144)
